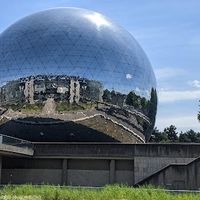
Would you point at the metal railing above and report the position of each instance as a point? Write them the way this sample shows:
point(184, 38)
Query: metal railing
point(8, 140)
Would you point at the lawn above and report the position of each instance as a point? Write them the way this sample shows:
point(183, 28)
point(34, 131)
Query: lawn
point(28, 192)
point(66, 106)
point(27, 108)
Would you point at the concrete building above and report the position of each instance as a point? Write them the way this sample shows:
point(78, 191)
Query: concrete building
point(29, 91)
point(37, 88)
point(74, 91)
point(173, 166)
point(76, 61)
point(69, 58)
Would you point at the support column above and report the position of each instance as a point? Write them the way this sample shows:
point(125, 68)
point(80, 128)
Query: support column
point(196, 176)
point(133, 172)
point(112, 171)
point(64, 172)
point(0, 167)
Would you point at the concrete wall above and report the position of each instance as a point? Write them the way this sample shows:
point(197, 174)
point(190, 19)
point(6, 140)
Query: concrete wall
point(34, 176)
point(145, 166)
point(147, 158)
point(100, 164)
point(88, 177)
point(76, 172)
point(177, 176)
point(116, 150)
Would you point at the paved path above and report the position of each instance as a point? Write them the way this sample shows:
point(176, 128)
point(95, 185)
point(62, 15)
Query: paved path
point(49, 107)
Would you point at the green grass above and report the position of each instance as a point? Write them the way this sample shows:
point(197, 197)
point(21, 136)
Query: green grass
point(32, 108)
point(66, 106)
point(107, 193)
point(27, 108)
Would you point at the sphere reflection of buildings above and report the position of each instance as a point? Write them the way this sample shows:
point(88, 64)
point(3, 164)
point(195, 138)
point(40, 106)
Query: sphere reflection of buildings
point(85, 69)
point(35, 89)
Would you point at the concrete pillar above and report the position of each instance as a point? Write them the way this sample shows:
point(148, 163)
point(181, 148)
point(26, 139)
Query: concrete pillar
point(0, 168)
point(133, 172)
point(64, 172)
point(187, 178)
point(164, 178)
point(195, 173)
point(112, 171)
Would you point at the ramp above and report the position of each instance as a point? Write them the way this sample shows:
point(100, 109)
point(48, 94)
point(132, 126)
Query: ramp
point(15, 146)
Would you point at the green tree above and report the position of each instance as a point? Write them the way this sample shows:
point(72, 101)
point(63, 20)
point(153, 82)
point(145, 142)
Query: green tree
point(198, 116)
point(158, 137)
point(144, 102)
point(129, 99)
point(132, 100)
point(183, 137)
point(152, 110)
point(189, 136)
point(171, 133)
point(152, 107)
point(106, 95)
point(192, 135)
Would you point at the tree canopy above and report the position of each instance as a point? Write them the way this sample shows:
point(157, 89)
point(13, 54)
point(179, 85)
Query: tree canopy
point(198, 116)
point(170, 135)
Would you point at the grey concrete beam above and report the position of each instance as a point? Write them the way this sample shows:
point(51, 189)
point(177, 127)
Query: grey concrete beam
point(117, 150)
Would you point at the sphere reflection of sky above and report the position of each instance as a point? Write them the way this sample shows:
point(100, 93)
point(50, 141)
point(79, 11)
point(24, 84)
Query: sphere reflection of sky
point(75, 42)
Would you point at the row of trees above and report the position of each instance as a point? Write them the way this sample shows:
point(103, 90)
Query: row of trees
point(198, 116)
point(170, 134)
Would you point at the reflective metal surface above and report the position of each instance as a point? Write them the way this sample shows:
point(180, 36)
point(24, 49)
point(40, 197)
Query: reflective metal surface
point(64, 56)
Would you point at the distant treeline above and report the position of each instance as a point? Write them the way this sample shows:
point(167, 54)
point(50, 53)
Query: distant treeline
point(170, 135)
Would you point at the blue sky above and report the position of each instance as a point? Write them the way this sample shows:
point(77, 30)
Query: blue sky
point(168, 31)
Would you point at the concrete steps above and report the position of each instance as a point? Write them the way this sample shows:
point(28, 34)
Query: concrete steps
point(178, 176)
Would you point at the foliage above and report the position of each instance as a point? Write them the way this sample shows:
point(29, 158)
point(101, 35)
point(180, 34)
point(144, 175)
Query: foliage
point(198, 116)
point(171, 135)
point(152, 110)
point(106, 95)
point(132, 100)
point(190, 136)
point(158, 136)
point(106, 193)
point(28, 108)
point(153, 105)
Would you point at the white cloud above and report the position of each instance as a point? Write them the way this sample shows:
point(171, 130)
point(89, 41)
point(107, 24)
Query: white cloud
point(181, 122)
point(166, 73)
point(129, 76)
point(172, 96)
point(98, 19)
point(194, 83)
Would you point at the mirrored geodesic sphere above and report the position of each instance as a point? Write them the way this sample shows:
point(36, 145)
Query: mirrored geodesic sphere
point(74, 65)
